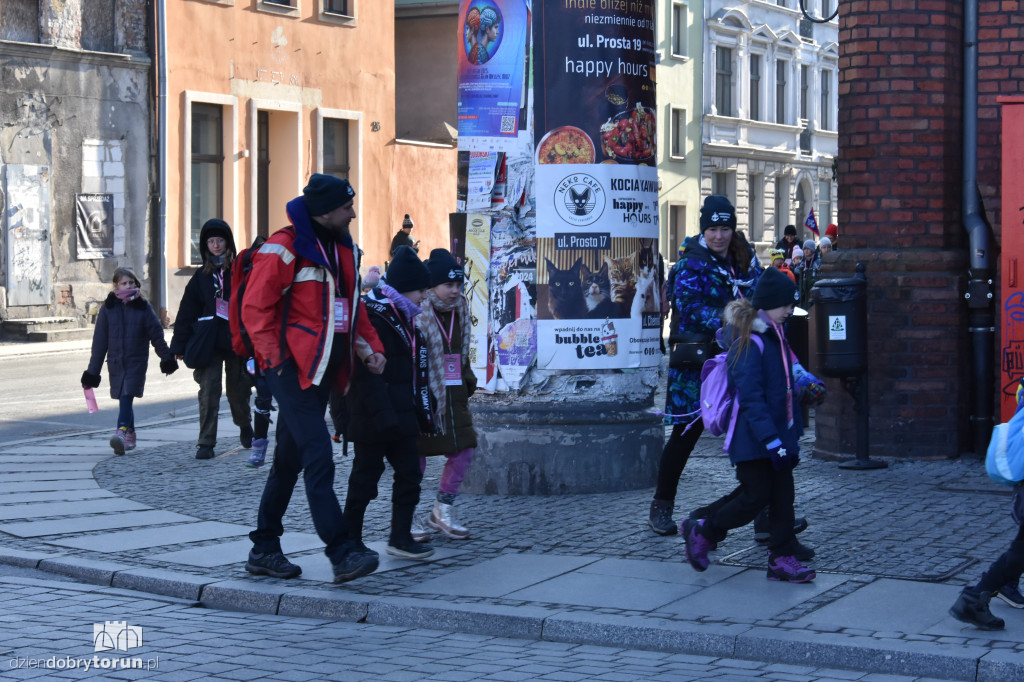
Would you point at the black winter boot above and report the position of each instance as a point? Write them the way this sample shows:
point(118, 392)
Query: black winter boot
point(660, 520)
point(972, 607)
point(401, 543)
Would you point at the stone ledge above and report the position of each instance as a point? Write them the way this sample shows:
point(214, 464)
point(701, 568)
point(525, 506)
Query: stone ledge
point(167, 583)
point(238, 595)
point(889, 656)
point(323, 604)
point(87, 570)
point(523, 622)
point(633, 632)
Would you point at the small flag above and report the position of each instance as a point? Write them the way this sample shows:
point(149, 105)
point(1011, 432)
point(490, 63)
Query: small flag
point(812, 224)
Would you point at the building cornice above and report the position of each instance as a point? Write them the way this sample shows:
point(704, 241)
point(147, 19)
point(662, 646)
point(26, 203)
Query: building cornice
point(12, 48)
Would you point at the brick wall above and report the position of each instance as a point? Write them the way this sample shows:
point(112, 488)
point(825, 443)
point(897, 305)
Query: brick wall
point(900, 107)
point(899, 213)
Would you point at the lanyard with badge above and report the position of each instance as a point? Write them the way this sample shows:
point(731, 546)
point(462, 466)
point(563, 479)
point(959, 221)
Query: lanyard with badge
point(452, 361)
point(219, 300)
point(342, 318)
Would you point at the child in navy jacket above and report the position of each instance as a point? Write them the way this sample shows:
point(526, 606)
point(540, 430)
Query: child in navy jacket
point(765, 446)
point(125, 328)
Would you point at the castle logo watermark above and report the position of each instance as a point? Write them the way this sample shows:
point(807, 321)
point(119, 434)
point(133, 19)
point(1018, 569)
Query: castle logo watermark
point(116, 634)
point(112, 635)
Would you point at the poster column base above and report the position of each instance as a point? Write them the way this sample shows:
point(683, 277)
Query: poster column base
point(542, 448)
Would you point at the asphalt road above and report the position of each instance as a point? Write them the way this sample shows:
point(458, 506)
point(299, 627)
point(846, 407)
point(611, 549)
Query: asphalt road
point(40, 395)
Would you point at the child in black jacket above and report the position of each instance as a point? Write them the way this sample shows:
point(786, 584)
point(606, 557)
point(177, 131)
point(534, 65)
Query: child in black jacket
point(387, 412)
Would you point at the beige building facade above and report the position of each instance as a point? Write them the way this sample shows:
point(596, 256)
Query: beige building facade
point(680, 28)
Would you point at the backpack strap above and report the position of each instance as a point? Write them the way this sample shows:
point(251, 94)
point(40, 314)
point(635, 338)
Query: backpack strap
point(736, 401)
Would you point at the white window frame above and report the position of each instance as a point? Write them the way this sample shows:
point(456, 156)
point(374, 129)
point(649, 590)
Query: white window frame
point(230, 168)
point(733, 99)
point(340, 19)
point(673, 245)
point(679, 33)
point(787, 69)
point(676, 133)
point(827, 97)
point(355, 153)
point(292, 9)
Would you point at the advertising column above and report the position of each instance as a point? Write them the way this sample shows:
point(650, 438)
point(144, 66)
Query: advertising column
point(596, 185)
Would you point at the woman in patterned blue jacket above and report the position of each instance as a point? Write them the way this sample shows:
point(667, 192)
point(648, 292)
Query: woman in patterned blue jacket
point(715, 267)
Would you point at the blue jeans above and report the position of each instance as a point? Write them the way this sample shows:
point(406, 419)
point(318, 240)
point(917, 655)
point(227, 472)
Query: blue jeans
point(125, 414)
point(303, 445)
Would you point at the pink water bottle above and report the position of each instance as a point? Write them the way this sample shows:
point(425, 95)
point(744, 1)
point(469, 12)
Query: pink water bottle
point(90, 400)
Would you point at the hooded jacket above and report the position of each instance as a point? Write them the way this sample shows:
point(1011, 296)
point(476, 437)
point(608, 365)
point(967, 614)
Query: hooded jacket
point(291, 259)
point(200, 297)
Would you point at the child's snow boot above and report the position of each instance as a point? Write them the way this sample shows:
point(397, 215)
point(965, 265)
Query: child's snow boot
point(258, 454)
point(118, 440)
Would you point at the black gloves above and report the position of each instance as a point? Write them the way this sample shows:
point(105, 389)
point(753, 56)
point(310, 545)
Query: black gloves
point(169, 366)
point(90, 380)
point(782, 460)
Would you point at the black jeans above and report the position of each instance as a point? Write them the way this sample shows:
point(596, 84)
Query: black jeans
point(673, 459)
point(368, 467)
point(760, 485)
point(1007, 569)
point(303, 445)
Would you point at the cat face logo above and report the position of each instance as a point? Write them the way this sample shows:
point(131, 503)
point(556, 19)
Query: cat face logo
point(579, 199)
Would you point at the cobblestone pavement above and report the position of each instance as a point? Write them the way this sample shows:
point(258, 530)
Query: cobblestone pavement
point(47, 633)
point(894, 546)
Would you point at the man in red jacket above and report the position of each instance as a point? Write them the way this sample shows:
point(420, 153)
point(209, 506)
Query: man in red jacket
point(308, 328)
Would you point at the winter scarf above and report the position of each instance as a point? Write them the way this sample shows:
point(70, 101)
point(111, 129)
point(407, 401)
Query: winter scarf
point(429, 326)
point(408, 308)
point(125, 295)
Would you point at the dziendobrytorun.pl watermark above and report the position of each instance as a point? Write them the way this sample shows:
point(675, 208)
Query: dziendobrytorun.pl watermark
point(111, 635)
point(85, 664)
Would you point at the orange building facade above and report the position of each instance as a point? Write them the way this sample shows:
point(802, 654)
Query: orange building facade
point(260, 95)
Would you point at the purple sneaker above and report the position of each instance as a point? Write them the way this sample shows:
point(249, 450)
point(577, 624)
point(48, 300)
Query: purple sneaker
point(788, 569)
point(697, 546)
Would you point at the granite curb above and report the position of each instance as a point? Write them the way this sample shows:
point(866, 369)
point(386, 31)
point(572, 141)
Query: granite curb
point(719, 640)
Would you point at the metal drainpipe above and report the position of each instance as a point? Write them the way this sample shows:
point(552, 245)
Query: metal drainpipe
point(161, 247)
point(979, 294)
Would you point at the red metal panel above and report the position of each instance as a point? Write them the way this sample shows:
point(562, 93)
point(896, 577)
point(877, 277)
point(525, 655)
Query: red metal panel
point(1012, 286)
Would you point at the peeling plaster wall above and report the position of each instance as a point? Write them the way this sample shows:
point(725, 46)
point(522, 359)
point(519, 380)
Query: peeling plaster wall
point(51, 101)
point(19, 20)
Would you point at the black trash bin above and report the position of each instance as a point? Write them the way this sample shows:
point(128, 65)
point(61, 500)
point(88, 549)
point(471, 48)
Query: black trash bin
point(840, 324)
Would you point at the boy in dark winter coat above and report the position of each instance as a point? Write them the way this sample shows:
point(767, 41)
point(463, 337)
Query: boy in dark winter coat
point(204, 310)
point(765, 445)
point(444, 323)
point(388, 411)
point(125, 328)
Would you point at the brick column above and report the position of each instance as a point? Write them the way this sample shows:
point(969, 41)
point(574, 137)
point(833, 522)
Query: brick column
point(899, 213)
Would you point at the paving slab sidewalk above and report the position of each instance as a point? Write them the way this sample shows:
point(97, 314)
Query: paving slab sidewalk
point(894, 548)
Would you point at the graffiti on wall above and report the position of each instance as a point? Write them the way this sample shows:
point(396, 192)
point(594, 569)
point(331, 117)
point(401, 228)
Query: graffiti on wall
point(27, 222)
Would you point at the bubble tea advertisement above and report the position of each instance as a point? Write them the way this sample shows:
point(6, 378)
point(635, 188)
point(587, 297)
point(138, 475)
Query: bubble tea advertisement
point(596, 185)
